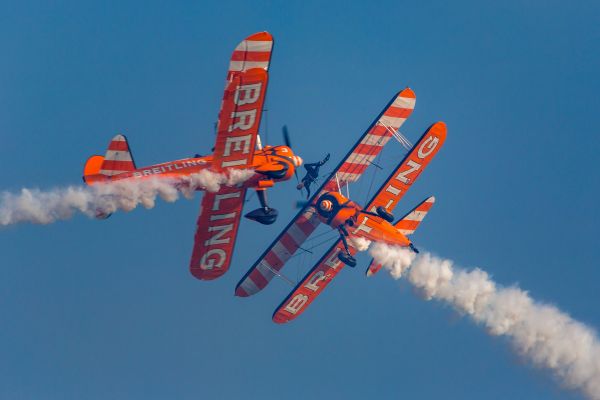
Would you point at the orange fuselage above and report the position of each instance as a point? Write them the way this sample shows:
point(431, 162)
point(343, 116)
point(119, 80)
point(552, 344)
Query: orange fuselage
point(346, 212)
point(271, 164)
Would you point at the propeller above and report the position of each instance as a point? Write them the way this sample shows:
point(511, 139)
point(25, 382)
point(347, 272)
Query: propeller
point(288, 143)
point(286, 136)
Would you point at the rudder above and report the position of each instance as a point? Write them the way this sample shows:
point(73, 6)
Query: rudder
point(118, 157)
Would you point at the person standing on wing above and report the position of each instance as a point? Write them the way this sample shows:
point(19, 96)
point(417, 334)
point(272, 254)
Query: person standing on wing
point(312, 174)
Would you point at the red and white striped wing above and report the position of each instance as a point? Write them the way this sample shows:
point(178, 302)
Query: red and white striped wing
point(350, 169)
point(275, 257)
point(388, 196)
point(253, 52)
point(372, 141)
point(311, 285)
point(239, 119)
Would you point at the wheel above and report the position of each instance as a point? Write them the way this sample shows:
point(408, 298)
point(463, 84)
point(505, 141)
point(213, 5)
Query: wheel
point(347, 259)
point(262, 216)
point(383, 213)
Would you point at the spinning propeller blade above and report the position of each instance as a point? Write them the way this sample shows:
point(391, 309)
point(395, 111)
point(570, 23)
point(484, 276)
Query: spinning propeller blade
point(286, 136)
point(288, 143)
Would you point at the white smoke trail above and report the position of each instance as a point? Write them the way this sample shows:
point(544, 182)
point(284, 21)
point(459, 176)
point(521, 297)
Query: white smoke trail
point(44, 207)
point(541, 333)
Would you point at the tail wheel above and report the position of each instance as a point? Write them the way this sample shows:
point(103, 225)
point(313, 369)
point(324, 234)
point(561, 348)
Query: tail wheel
point(383, 213)
point(347, 259)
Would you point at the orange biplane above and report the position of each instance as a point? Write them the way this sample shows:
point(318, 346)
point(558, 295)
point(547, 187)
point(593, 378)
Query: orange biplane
point(330, 206)
point(237, 147)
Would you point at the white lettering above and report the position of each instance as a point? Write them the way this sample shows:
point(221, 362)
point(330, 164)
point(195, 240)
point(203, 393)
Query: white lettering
point(296, 303)
point(216, 217)
point(235, 144)
point(393, 190)
point(431, 143)
point(402, 175)
point(217, 239)
point(233, 163)
point(224, 196)
point(251, 94)
point(333, 262)
point(212, 262)
point(363, 227)
point(245, 120)
point(314, 280)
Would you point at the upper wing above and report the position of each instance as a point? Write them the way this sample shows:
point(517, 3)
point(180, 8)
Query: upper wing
point(237, 129)
point(388, 196)
point(413, 164)
point(241, 108)
point(253, 52)
point(216, 231)
point(239, 119)
point(372, 141)
point(348, 170)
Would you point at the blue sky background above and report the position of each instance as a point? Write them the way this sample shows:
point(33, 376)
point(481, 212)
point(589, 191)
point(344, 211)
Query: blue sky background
point(107, 309)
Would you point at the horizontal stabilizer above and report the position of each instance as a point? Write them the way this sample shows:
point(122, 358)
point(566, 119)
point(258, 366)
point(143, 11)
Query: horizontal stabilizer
point(407, 226)
point(410, 222)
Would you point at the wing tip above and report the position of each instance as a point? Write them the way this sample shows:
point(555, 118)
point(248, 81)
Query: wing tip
point(408, 92)
point(261, 36)
point(279, 319)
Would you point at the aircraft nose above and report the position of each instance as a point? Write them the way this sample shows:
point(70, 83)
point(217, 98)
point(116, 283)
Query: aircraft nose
point(298, 161)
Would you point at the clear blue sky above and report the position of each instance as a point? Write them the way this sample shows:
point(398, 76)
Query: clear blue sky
point(107, 309)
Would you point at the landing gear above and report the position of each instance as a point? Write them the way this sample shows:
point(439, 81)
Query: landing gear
point(345, 257)
point(264, 215)
point(413, 248)
point(383, 213)
point(380, 212)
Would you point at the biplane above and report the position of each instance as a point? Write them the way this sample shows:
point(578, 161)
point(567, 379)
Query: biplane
point(330, 206)
point(237, 146)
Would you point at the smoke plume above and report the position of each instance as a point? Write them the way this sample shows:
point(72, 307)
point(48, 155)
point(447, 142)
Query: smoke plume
point(541, 333)
point(44, 207)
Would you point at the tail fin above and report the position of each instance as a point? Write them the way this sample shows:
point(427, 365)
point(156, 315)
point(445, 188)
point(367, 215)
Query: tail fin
point(407, 226)
point(118, 158)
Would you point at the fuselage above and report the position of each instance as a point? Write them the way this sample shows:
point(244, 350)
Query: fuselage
point(271, 164)
point(336, 210)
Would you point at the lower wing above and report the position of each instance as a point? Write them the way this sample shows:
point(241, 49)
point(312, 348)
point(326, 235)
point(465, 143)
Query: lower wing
point(311, 285)
point(216, 231)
